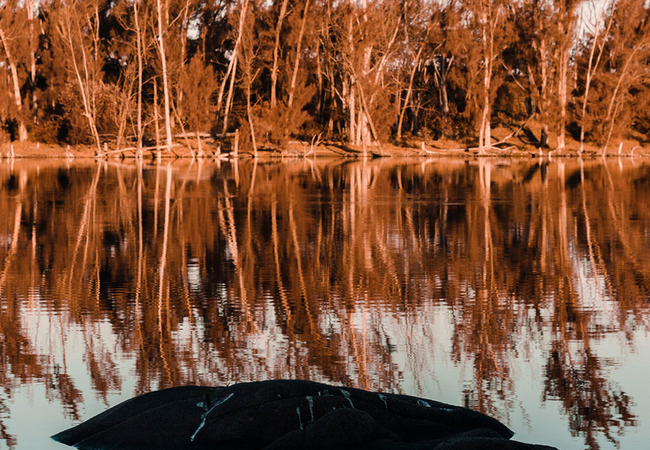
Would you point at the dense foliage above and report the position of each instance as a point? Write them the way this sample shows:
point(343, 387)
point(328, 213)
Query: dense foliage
point(126, 71)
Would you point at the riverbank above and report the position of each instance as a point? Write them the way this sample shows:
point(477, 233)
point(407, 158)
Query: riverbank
point(413, 147)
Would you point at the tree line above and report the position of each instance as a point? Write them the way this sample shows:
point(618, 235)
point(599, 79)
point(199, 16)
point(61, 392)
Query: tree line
point(139, 72)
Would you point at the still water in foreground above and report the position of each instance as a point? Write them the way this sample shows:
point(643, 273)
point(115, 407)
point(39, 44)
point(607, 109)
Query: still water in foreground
point(517, 288)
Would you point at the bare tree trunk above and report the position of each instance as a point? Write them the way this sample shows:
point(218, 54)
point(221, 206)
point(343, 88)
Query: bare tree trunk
point(611, 110)
point(124, 106)
point(407, 100)
point(592, 67)
point(294, 77)
point(22, 129)
point(166, 232)
point(544, 95)
point(319, 77)
point(249, 113)
point(156, 115)
point(351, 95)
point(365, 114)
point(87, 91)
point(276, 48)
point(442, 82)
point(483, 136)
point(230, 94)
point(562, 94)
point(163, 62)
point(225, 80)
point(139, 51)
point(349, 87)
point(233, 66)
point(183, 37)
point(539, 92)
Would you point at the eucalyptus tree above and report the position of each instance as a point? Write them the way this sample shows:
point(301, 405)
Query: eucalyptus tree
point(364, 40)
point(77, 26)
point(546, 42)
point(565, 36)
point(490, 21)
point(623, 72)
point(599, 31)
point(15, 23)
point(418, 25)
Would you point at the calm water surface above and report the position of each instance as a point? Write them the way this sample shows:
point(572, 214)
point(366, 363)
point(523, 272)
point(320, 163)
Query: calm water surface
point(517, 288)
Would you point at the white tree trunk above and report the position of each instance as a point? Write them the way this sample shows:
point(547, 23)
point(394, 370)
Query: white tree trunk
point(22, 129)
point(276, 49)
point(139, 51)
point(296, 65)
point(232, 66)
point(163, 62)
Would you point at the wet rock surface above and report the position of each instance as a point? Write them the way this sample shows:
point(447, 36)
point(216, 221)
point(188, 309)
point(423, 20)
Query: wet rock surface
point(285, 414)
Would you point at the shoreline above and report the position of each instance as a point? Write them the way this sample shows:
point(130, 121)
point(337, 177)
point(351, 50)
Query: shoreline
point(298, 149)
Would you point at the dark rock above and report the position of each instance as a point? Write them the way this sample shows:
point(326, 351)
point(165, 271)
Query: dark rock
point(284, 414)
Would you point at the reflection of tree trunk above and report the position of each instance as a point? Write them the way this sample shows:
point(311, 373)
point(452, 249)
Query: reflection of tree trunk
point(278, 273)
point(229, 230)
point(359, 354)
point(587, 223)
point(155, 205)
point(301, 276)
point(163, 257)
point(162, 289)
point(84, 227)
point(138, 286)
point(485, 178)
point(563, 222)
point(14, 245)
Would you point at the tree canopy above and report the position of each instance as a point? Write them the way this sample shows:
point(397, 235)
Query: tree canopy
point(361, 72)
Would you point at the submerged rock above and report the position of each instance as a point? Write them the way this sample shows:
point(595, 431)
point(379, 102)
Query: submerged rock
point(285, 414)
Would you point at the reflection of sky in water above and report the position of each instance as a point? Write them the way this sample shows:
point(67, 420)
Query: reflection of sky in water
point(33, 419)
point(399, 314)
point(194, 274)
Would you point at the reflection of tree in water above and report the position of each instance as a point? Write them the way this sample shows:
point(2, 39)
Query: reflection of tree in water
point(593, 403)
point(213, 274)
point(9, 439)
point(513, 250)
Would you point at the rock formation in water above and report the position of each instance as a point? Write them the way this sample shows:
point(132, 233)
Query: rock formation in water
point(284, 414)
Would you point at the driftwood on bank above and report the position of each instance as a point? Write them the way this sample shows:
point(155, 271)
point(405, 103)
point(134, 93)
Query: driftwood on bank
point(201, 138)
